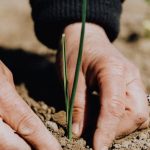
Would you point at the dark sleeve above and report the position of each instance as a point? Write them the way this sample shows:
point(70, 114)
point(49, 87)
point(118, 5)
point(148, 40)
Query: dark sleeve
point(52, 16)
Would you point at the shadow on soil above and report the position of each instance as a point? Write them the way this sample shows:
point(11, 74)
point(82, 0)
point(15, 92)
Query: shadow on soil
point(41, 79)
point(37, 73)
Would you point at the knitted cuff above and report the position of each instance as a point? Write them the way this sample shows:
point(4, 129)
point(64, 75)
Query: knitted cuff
point(52, 16)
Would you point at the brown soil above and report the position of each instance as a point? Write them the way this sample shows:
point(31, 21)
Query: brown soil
point(39, 76)
point(56, 124)
point(54, 121)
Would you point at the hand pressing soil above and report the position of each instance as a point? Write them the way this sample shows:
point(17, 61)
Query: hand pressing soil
point(56, 123)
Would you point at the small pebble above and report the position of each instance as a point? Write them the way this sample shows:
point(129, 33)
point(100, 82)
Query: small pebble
point(52, 125)
point(52, 110)
point(63, 141)
point(60, 118)
point(49, 111)
point(143, 136)
point(44, 106)
point(116, 146)
point(126, 144)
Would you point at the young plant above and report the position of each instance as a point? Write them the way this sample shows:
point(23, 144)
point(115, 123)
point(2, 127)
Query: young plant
point(65, 75)
point(70, 102)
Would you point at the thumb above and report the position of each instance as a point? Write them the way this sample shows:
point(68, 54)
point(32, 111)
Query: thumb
point(79, 105)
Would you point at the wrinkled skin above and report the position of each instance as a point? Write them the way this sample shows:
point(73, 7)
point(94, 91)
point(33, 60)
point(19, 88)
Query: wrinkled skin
point(124, 106)
point(123, 101)
point(19, 126)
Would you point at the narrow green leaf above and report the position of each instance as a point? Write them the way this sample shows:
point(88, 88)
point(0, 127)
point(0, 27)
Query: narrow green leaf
point(65, 75)
point(79, 60)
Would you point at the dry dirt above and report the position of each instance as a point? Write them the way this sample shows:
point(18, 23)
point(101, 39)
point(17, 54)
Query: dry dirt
point(56, 124)
point(17, 38)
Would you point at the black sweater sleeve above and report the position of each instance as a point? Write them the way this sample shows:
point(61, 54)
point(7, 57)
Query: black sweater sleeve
point(52, 16)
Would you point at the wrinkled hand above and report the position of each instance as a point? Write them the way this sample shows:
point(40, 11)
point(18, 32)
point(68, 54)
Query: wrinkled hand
point(18, 124)
point(124, 106)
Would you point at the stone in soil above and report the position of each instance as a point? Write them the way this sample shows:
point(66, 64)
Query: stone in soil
point(56, 123)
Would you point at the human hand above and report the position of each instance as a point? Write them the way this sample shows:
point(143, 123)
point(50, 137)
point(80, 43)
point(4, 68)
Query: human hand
point(124, 106)
point(19, 126)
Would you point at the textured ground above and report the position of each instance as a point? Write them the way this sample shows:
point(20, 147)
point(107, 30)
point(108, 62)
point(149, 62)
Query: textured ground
point(56, 123)
point(16, 31)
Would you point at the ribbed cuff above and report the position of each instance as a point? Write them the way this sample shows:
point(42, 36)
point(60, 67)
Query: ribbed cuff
point(52, 16)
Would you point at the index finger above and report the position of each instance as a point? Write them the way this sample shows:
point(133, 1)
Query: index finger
point(112, 89)
point(22, 119)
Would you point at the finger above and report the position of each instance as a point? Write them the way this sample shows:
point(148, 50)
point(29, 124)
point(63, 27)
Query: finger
point(112, 88)
point(127, 125)
point(21, 118)
point(9, 140)
point(139, 102)
point(79, 105)
point(137, 112)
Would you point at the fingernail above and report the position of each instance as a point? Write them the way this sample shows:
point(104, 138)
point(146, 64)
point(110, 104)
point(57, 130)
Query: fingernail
point(76, 128)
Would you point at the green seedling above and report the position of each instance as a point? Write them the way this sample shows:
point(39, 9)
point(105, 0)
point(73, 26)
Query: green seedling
point(70, 101)
point(65, 75)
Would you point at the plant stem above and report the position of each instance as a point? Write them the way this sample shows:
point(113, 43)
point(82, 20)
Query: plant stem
point(84, 5)
point(65, 76)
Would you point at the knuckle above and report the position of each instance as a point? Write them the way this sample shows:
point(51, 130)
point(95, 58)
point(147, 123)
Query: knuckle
point(115, 61)
point(119, 70)
point(27, 125)
point(117, 107)
point(79, 104)
point(77, 114)
point(78, 109)
point(116, 68)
